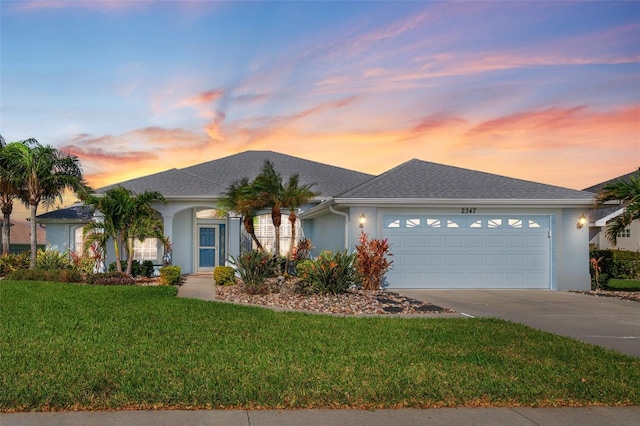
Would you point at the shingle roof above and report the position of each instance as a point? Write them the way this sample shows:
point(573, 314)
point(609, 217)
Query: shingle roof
point(597, 187)
point(417, 179)
point(212, 178)
point(77, 212)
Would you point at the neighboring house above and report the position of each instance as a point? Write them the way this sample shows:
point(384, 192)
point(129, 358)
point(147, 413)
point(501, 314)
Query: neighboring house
point(629, 239)
point(20, 237)
point(448, 227)
point(64, 227)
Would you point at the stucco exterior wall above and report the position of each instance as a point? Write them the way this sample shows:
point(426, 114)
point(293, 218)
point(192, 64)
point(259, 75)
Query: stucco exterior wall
point(624, 243)
point(326, 233)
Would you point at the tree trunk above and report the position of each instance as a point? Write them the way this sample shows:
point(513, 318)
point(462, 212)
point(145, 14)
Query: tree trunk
point(248, 225)
point(292, 244)
point(34, 236)
point(6, 231)
point(129, 256)
point(116, 247)
point(276, 218)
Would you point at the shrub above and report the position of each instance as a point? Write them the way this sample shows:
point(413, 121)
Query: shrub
point(170, 275)
point(371, 261)
point(224, 275)
point(303, 267)
point(144, 269)
point(52, 259)
point(58, 275)
point(256, 266)
point(301, 250)
point(111, 278)
point(332, 272)
point(14, 262)
point(609, 264)
point(27, 275)
point(82, 263)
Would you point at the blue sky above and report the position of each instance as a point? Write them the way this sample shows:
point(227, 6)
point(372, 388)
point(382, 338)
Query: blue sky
point(546, 91)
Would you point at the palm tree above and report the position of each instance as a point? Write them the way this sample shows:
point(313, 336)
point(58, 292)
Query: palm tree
point(269, 188)
point(9, 191)
point(241, 198)
point(45, 173)
point(293, 197)
point(124, 216)
point(627, 193)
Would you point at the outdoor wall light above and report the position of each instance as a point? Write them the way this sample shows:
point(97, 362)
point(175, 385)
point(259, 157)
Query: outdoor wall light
point(362, 220)
point(582, 221)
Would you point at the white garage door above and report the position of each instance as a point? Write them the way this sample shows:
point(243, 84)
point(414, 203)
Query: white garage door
point(469, 251)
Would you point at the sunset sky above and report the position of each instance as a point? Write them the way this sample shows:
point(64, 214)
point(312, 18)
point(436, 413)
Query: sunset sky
point(546, 91)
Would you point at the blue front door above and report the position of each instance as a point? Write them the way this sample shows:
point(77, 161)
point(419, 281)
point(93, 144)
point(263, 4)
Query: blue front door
point(207, 247)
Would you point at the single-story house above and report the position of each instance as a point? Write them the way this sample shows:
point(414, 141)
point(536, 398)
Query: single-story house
point(629, 239)
point(20, 236)
point(448, 227)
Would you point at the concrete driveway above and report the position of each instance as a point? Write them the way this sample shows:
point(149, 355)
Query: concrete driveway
point(602, 321)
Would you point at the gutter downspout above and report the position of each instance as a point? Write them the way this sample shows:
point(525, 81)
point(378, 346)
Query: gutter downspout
point(346, 225)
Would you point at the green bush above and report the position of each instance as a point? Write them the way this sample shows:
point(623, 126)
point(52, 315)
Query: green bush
point(53, 259)
point(303, 267)
point(332, 272)
point(14, 262)
point(170, 275)
point(610, 264)
point(224, 275)
point(256, 266)
point(111, 278)
point(58, 275)
point(138, 269)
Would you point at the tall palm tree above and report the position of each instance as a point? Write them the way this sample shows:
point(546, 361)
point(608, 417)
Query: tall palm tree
point(9, 191)
point(293, 197)
point(627, 193)
point(269, 188)
point(241, 198)
point(45, 173)
point(124, 216)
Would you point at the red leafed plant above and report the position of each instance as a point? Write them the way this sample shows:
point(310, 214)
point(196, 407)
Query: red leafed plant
point(372, 261)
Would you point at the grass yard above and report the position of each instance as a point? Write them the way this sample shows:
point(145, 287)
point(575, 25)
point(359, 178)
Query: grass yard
point(618, 284)
point(66, 347)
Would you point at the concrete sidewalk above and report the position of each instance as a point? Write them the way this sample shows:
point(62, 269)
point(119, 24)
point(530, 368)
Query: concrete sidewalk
point(198, 287)
point(522, 416)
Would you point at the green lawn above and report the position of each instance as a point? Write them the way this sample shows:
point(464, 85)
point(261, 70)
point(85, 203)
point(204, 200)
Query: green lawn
point(618, 284)
point(67, 346)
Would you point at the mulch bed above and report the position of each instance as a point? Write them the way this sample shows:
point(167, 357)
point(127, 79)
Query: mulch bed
point(353, 302)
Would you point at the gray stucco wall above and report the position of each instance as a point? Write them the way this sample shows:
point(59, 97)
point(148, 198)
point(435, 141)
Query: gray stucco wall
point(183, 240)
point(572, 252)
point(325, 233)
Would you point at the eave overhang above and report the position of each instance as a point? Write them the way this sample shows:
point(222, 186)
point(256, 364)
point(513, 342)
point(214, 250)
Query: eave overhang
point(445, 202)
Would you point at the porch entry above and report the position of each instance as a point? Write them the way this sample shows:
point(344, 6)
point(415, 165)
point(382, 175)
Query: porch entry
point(210, 250)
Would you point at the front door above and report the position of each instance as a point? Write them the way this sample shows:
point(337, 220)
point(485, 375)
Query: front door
point(207, 247)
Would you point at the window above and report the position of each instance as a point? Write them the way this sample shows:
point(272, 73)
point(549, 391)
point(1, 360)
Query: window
point(78, 241)
point(495, 223)
point(412, 223)
point(625, 233)
point(433, 223)
point(515, 223)
point(146, 250)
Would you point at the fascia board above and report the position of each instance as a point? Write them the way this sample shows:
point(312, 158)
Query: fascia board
point(603, 221)
point(317, 210)
point(457, 202)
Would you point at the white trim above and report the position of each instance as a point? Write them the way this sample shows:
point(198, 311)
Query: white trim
point(456, 202)
point(603, 222)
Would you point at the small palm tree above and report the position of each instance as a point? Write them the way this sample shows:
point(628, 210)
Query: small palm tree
point(269, 188)
point(10, 188)
point(124, 216)
point(45, 173)
point(241, 198)
point(293, 197)
point(627, 193)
